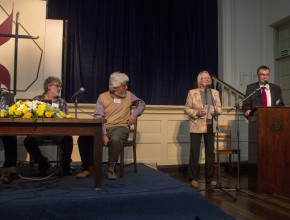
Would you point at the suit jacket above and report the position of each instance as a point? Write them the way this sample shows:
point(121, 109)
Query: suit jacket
point(193, 105)
point(256, 99)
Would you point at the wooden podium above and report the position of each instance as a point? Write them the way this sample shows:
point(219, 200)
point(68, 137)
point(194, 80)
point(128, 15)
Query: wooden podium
point(269, 150)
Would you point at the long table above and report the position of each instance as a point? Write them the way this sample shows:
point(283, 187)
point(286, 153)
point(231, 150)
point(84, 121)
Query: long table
point(60, 127)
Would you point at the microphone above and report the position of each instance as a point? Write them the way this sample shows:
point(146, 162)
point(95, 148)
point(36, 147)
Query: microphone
point(78, 92)
point(208, 85)
point(266, 82)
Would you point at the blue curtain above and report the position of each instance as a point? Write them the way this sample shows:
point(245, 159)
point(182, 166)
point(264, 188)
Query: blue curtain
point(160, 44)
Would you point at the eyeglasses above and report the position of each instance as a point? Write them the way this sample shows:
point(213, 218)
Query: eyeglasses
point(262, 74)
point(205, 78)
point(58, 86)
point(123, 85)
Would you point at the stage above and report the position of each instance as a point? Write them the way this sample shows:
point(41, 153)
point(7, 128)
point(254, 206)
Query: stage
point(148, 194)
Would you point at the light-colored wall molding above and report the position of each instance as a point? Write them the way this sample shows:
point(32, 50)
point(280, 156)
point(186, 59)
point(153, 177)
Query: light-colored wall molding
point(163, 134)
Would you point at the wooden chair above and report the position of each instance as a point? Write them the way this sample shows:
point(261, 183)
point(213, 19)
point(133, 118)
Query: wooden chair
point(226, 135)
point(130, 143)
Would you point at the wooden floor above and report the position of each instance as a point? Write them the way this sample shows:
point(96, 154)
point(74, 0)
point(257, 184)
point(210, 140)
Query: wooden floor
point(246, 204)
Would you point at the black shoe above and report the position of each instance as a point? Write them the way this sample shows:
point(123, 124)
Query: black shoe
point(43, 166)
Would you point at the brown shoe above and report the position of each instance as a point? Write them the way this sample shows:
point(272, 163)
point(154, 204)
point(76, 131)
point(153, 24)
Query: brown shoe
point(212, 183)
point(194, 183)
point(7, 178)
point(83, 174)
point(111, 175)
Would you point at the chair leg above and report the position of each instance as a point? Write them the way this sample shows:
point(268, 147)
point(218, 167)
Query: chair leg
point(122, 163)
point(135, 158)
point(219, 164)
point(60, 153)
point(230, 162)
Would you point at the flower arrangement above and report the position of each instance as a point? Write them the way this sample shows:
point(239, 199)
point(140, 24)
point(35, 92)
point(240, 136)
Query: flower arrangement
point(34, 110)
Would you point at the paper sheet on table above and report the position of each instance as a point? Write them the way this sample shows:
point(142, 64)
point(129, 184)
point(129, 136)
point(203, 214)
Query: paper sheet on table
point(208, 109)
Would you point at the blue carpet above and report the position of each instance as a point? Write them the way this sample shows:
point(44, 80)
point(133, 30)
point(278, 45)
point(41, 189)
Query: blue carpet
point(149, 194)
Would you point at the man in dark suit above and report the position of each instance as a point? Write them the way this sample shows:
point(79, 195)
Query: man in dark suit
point(269, 95)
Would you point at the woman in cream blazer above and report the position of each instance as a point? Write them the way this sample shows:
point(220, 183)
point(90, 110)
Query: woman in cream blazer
point(202, 122)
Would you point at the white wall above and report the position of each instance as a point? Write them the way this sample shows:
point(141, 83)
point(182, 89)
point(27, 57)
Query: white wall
point(246, 39)
point(53, 48)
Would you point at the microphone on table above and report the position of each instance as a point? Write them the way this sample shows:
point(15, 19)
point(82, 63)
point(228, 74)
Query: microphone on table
point(78, 92)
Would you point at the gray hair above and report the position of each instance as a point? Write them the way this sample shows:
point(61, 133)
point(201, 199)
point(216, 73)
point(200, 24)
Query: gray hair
point(199, 77)
point(50, 80)
point(116, 79)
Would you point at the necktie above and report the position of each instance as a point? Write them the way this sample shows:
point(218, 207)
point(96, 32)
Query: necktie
point(264, 96)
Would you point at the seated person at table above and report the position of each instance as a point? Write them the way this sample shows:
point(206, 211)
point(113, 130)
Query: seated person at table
point(10, 146)
point(114, 106)
point(52, 87)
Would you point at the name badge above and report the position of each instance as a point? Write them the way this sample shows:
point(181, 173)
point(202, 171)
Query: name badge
point(55, 105)
point(117, 100)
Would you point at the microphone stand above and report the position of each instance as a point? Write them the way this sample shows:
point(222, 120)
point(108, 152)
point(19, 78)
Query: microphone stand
point(240, 102)
point(76, 99)
point(76, 105)
point(218, 184)
point(237, 106)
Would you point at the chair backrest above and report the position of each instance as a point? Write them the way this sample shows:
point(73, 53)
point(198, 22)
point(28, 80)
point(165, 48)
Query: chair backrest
point(133, 128)
point(225, 134)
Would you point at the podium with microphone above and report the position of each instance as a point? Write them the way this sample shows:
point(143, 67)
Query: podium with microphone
point(269, 150)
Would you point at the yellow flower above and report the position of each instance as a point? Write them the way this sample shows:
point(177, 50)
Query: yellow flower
point(2, 114)
point(24, 110)
point(12, 109)
point(18, 104)
point(48, 114)
point(61, 114)
point(68, 116)
point(28, 115)
point(18, 112)
point(40, 112)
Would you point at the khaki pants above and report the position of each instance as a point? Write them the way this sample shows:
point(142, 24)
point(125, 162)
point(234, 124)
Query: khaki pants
point(117, 135)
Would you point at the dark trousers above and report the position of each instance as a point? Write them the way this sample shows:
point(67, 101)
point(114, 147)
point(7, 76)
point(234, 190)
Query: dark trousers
point(10, 147)
point(195, 141)
point(32, 144)
point(86, 148)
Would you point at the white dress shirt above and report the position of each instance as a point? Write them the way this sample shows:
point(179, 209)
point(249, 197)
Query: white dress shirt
point(268, 93)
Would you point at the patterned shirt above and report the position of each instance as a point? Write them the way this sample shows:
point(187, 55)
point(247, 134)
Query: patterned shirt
point(58, 101)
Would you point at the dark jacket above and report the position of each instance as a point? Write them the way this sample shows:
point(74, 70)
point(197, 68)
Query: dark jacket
point(256, 99)
point(9, 97)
